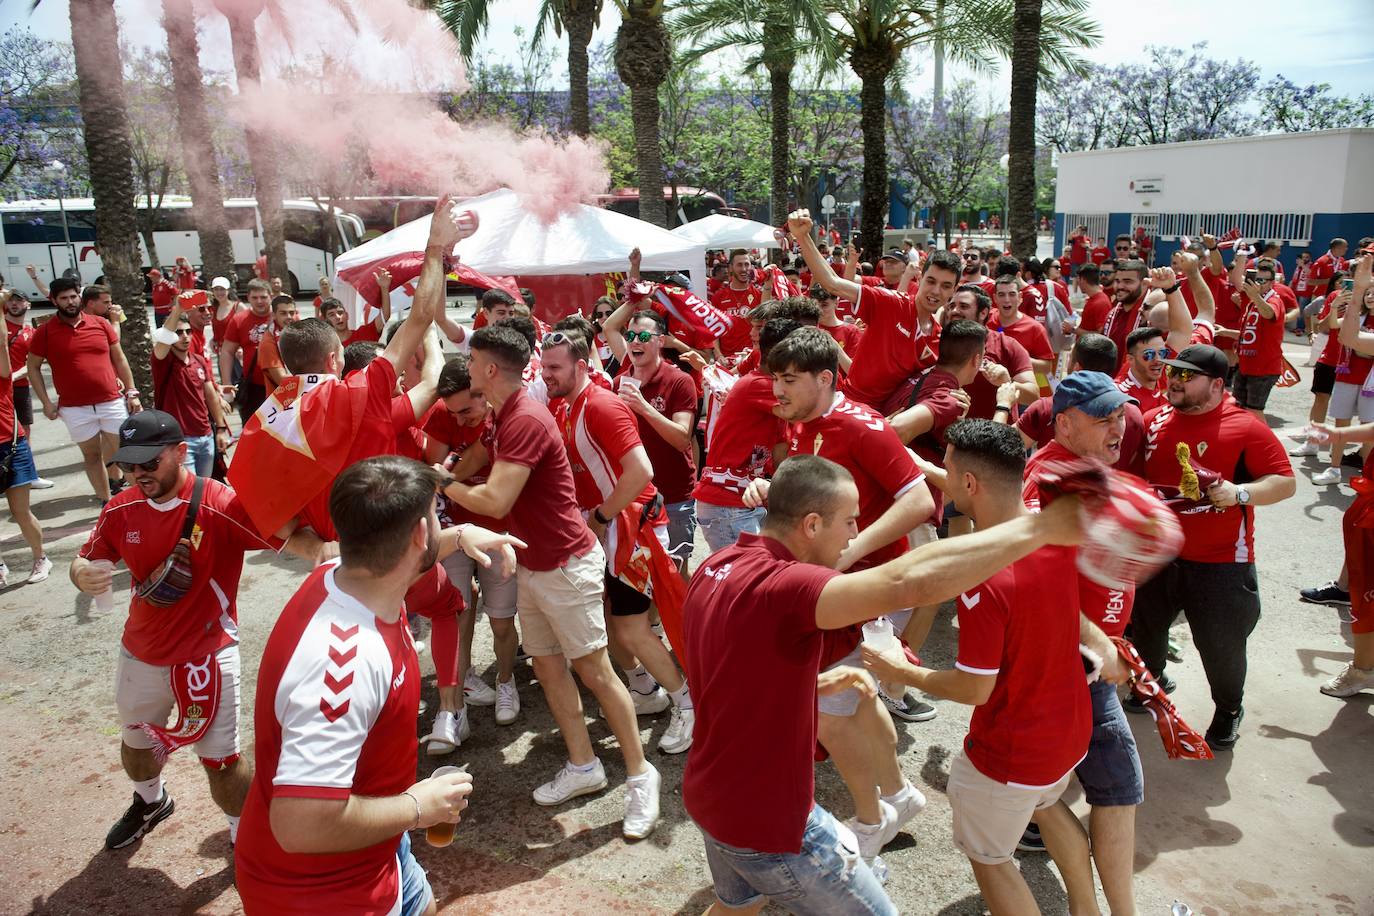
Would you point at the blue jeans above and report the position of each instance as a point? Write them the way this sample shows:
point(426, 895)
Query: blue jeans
point(200, 454)
point(682, 529)
point(825, 878)
point(415, 890)
point(722, 525)
point(1110, 775)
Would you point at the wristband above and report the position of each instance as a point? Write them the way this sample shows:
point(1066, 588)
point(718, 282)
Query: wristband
point(407, 794)
point(164, 336)
point(131, 393)
point(601, 519)
point(1173, 289)
point(1001, 407)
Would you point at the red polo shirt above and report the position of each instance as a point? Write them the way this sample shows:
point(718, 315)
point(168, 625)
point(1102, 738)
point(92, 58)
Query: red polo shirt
point(79, 357)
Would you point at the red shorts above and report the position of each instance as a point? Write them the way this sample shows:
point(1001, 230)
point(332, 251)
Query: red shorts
point(1359, 562)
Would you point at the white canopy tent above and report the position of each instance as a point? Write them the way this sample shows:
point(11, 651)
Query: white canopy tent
point(510, 241)
point(717, 231)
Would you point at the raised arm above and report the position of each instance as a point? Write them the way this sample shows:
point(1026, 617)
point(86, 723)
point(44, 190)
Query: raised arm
point(444, 234)
point(1202, 293)
point(1353, 334)
point(1180, 321)
point(799, 225)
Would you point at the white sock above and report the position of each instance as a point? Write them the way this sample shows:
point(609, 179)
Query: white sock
point(682, 699)
point(150, 790)
point(233, 827)
point(640, 680)
point(584, 768)
point(900, 795)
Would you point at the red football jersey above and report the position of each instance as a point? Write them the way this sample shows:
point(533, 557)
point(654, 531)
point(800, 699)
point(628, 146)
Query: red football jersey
point(737, 303)
point(893, 346)
point(599, 430)
point(742, 440)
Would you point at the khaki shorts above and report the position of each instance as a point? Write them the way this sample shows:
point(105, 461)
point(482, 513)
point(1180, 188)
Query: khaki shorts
point(143, 693)
point(990, 816)
point(561, 609)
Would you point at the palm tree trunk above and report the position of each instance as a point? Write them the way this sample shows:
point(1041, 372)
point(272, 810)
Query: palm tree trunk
point(780, 80)
point(873, 199)
point(197, 148)
point(109, 152)
point(580, 23)
point(262, 156)
point(645, 112)
point(1025, 76)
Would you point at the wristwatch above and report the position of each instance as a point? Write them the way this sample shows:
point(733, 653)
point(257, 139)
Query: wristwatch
point(601, 519)
point(1242, 496)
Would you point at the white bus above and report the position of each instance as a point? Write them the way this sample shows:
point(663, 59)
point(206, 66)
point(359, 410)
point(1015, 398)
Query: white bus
point(32, 233)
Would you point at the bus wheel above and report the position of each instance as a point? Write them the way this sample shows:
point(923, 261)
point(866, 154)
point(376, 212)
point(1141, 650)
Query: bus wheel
point(293, 284)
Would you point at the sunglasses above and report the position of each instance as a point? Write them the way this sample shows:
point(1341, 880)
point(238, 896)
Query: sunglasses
point(641, 336)
point(556, 339)
point(149, 466)
point(186, 331)
point(1154, 353)
point(1183, 375)
point(971, 256)
point(602, 314)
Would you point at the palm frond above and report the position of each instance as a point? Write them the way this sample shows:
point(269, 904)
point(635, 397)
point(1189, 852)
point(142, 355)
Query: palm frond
point(466, 19)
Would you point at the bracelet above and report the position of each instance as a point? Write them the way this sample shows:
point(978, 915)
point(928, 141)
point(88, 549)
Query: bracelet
point(1173, 289)
point(600, 519)
point(1001, 407)
point(417, 809)
point(131, 393)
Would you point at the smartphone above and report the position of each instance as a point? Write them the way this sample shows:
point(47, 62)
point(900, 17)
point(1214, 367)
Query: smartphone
point(1252, 276)
point(1348, 283)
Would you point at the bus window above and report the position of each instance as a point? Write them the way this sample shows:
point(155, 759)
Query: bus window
point(41, 227)
point(305, 227)
point(240, 217)
point(350, 230)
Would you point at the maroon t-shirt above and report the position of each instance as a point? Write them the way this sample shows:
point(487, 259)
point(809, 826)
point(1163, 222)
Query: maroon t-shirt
point(1037, 422)
point(1005, 351)
point(670, 391)
point(179, 389)
point(545, 513)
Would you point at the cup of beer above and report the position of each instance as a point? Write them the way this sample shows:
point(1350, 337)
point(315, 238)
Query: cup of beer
point(441, 834)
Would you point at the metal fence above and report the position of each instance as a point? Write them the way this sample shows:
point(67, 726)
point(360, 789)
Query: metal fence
point(1096, 223)
point(1290, 228)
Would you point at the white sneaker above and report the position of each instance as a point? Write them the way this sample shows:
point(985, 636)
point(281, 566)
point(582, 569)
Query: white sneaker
point(4, 574)
point(650, 704)
point(641, 804)
point(1349, 682)
point(449, 732)
point(507, 702)
point(42, 568)
point(569, 783)
point(1308, 449)
point(1327, 477)
point(910, 806)
point(41, 483)
point(477, 692)
point(873, 837)
point(678, 738)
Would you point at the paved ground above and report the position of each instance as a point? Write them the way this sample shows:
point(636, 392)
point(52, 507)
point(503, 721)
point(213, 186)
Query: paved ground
point(1283, 825)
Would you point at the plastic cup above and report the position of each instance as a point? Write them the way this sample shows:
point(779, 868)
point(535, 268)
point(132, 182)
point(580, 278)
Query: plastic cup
point(104, 601)
point(441, 834)
point(629, 381)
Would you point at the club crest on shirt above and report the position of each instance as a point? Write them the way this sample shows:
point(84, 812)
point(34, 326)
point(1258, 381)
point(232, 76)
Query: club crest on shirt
point(1202, 448)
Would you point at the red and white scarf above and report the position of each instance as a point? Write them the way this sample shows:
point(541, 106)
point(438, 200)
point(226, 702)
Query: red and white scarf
point(196, 687)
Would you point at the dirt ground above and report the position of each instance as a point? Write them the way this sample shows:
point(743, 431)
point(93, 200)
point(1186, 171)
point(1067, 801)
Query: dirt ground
point(1283, 825)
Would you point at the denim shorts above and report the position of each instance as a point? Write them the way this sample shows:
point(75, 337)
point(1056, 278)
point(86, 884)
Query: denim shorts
point(682, 529)
point(1110, 775)
point(722, 525)
point(1252, 391)
point(828, 875)
point(415, 890)
point(22, 470)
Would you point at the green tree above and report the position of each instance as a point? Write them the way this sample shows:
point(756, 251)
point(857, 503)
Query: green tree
point(773, 35)
point(643, 53)
point(1025, 82)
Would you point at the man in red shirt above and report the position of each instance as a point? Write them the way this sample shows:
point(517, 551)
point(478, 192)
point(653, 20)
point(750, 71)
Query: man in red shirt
point(1260, 344)
point(184, 386)
point(613, 479)
point(1144, 368)
point(274, 371)
point(1093, 316)
point(1019, 665)
point(1078, 249)
point(893, 500)
point(1025, 330)
point(973, 272)
point(737, 298)
point(756, 617)
point(242, 335)
point(161, 291)
point(560, 576)
point(88, 367)
point(847, 335)
point(1101, 254)
point(740, 445)
point(185, 275)
point(1213, 579)
point(1325, 266)
point(1129, 288)
point(1004, 359)
point(184, 653)
point(327, 819)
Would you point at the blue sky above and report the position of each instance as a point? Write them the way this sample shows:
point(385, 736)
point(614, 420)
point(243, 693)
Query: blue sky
point(1325, 42)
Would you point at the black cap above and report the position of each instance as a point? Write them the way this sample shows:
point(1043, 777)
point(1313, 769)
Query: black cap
point(1202, 358)
point(143, 436)
point(895, 254)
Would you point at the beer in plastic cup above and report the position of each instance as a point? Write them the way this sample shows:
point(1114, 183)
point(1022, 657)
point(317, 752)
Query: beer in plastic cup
point(104, 602)
point(441, 834)
point(629, 381)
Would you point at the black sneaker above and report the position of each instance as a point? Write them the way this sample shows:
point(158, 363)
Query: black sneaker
point(1330, 594)
point(1134, 704)
point(520, 654)
point(1353, 460)
point(1224, 731)
point(907, 708)
point(1031, 840)
point(141, 817)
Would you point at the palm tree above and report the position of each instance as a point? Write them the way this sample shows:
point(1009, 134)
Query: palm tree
point(109, 153)
point(197, 145)
point(1025, 82)
point(643, 53)
point(262, 155)
point(467, 20)
point(774, 35)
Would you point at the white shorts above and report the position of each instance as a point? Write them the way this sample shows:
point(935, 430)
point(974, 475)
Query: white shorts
point(85, 423)
point(1346, 402)
point(143, 693)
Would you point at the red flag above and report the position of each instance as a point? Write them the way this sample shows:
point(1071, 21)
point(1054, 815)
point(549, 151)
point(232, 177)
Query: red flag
point(405, 267)
point(1180, 739)
point(1289, 377)
point(691, 319)
point(781, 288)
point(1229, 240)
point(295, 445)
point(639, 559)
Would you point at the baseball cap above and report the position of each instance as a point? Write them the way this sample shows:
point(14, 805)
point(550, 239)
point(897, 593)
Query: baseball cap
point(895, 254)
point(144, 435)
point(1094, 393)
point(1202, 358)
point(219, 283)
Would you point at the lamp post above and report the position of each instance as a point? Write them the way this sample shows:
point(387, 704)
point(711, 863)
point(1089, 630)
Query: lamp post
point(1006, 194)
point(58, 173)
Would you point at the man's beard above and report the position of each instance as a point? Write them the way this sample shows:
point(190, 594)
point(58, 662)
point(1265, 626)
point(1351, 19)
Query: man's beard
point(431, 554)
